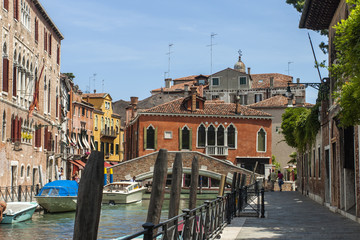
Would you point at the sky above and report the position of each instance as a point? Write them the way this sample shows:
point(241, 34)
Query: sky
point(121, 47)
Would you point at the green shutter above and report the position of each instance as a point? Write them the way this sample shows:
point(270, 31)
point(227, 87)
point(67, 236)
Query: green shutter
point(190, 139)
point(155, 138)
point(144, 138)
point(180, 138)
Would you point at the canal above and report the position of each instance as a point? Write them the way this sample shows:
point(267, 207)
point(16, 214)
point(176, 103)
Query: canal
point(115, 221)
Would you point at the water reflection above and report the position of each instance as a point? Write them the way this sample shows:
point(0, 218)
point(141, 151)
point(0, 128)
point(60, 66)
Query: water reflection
point(115, 221)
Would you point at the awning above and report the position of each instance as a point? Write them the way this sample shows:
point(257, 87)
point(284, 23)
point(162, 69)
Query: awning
point(79, 143)
point(86, 143)
point(67, 137)
point(92, 144)
point(76, 164)
point(73, 140)
point(114, 163)
point(107, 165)
point(80, 162)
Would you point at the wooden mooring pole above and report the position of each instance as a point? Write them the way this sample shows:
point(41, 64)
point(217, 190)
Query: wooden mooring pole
point(89, 198)
point(158, 187)
point(222, 185)
point(175, 186)
point(194, 183)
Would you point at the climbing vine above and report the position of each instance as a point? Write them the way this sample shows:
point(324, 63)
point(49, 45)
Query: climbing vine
point(346, 68)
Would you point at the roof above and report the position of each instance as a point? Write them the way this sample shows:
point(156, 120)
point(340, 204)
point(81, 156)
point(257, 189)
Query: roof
point(190, 78)
point(180, 87)
point(47, 18)
point(317, 14)
point(215, 108)
point(263, 80)
point(95, 95)
point(276, 102)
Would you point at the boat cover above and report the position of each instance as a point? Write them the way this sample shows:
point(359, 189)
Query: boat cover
point(60, 188)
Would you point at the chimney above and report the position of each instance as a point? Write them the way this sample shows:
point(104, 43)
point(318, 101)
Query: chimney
point(134, 102)
point(237, 104)
point(201, 89)
point(193, 98)
point(249, 70)
point(298, 80)
point(271, 82)
point(94, 90)
point(186, 87)
point(168, 82)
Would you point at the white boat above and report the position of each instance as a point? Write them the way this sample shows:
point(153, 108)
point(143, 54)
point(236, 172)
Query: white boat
point(58, 196)
point(18, 211)
point(123, 192)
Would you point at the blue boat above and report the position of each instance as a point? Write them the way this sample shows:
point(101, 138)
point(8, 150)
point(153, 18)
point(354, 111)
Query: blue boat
point(58, 196)
point(18, 211)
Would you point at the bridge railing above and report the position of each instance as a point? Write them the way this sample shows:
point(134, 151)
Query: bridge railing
point(21, 193)
point(208, 220)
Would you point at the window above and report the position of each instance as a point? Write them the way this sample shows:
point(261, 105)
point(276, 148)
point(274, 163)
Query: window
point(258, 98)
point(215, 81)
point(231, 136)
point(319, 162)
point(45, 39)
point(214, 97)
point(6, 4)
point(261, 140)
point(243, 99)
point(74, 110)
point(96, 143)
point(185, 138)
point(25, 14)
point(201, 82)
point(5, 86)
point(107, 145)
point(168, 135)
point(117, 149)
point(211, 136)
point(201, 136)
point(50, 43)
point(83, 111)
point(22, 171)
point(3, 138)
point(58, 55)
point(242, 80)
point(150, 137)
point(36, 32)
point(220, 136)
point(28, 171)
point(112, 148)
point(16, 9)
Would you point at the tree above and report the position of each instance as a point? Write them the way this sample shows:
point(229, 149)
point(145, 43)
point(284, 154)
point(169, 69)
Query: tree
point(275, 163)
point(298, 4)
point(71, 76)
point(347, 67)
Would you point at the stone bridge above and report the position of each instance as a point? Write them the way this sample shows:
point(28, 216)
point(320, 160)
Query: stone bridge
point(142, 167)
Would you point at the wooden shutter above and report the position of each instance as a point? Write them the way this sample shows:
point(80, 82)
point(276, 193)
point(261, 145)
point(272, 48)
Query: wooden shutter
point(14, 82)
point(190, 139)
point(16, 9)
point(6, 4)
point(5, 74)
point(36, 30)
point(12, 129)
point(49, 148)
point(180, 138)
point(50, 43)
point(145, 138)
point(58, 55)
point(45, 138)
point(155, 138)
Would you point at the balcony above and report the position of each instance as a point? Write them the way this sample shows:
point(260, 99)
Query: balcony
point(108, 133)
point(217, 150)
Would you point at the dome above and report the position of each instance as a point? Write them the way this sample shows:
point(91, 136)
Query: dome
point(240, 66)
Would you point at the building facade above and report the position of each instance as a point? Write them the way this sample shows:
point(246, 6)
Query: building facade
point(226, 131)
point(335, 160)
point(108, 136)
point(30, 79)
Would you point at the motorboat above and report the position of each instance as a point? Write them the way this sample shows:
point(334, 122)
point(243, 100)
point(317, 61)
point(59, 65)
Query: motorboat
point(58, 196)
point(18, 211)
point(123, 192)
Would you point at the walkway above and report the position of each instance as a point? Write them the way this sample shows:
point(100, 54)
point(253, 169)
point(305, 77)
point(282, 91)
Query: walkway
point(289, 215)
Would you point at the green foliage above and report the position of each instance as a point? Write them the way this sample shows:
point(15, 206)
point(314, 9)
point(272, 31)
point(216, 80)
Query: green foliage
point(293, 158)
point(71, 76)
point(347, 67)
point(300, 126)
point(298, 4)
point(275, 163)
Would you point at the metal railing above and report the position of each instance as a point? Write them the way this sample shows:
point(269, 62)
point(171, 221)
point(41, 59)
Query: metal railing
point(21, 193)
point(208, 220)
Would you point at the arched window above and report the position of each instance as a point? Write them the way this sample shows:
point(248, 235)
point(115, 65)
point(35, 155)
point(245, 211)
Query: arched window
point(231, 136)
point(96, 122)
point(28, 171)
point(150, 137)
point(185, 138)
point(211, 136)
point(22, 171)
point(201, 136)
point(261, 140)
point(5, 69)
point(102, 123)
point(4, 127)
point(220, 136)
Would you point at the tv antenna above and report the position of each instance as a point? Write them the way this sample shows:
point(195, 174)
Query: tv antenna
point(212, 35)
point(289, 67)
point(102, 90)
point(91, 77)
point(169, 59)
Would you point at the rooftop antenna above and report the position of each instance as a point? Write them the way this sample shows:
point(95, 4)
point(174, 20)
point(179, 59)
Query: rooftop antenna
point(94, 78)
point(102, 90)
point(91, 77)
point(289, 67)
point(212, 35)
point(169, 53)
point(316, 62)
point(165, 74)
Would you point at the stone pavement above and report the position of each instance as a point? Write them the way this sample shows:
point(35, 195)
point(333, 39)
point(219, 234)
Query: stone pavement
point(290, 215)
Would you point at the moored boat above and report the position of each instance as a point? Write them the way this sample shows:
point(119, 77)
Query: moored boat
point(18, 211)
point(58, 196)
point(123, 192)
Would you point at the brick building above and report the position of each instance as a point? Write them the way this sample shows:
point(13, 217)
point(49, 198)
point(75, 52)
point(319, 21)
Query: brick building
point(30, 72)
point(330, 172)
point(227, 131)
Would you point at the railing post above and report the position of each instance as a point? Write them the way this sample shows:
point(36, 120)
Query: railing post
point(19, 193)
point(6, 193)
point(262, 203)
point(186, 226)
point(149, 227)
point(246, 195)
point(240, 199)
point(228, 209)
point(207, 219)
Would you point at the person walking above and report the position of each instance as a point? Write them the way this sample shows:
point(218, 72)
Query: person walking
point(273, 177)
point(280, 177)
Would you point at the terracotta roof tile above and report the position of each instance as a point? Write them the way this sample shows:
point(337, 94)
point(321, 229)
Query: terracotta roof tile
point(178, 87)
point(276, 101)
point(94, 95)
point(263, 80)
point(210, 108)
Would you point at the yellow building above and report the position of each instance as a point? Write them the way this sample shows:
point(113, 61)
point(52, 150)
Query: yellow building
point(107, 134)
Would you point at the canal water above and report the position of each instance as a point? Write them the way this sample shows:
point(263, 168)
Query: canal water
point(115, 221)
